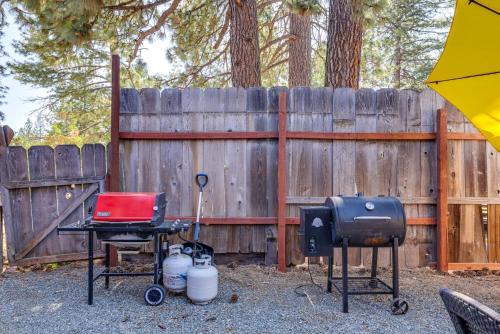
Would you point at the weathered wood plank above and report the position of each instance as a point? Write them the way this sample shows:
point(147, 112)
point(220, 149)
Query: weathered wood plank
point(494, 233)
point(408, 178)
point(149, 151)
point(52, 183)
point(58, 258)
point(68, 164)
point(366, 152)
point(321, 150)
point(235, 173)
point(492, 171)
point(170, 179)
point(130, 107)
point(18, 226)
point(430, 102)
point(471, 235)
point(344, 154)
point(43, 201)
point(192, 151)
point(272, 172)
point(100, 160)
point(256, 171)
point(213, 164)
point(299, 161)
point(90, 164)
point(8, 134)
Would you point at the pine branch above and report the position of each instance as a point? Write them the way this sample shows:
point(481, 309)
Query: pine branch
point(159, 24)
point(224, 29)
point(126, 5)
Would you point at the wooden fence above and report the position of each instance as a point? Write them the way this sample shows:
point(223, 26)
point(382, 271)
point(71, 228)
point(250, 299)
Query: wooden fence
point(265, 159)
point(337, 142)
point(43, 188)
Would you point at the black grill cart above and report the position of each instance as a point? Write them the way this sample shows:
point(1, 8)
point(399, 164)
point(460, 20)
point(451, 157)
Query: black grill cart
point(155, 293)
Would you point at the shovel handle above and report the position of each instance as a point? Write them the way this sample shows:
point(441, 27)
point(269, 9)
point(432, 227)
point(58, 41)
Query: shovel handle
point(201, 180)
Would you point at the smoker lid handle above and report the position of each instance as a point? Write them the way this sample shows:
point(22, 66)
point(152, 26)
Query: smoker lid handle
point(372, 218)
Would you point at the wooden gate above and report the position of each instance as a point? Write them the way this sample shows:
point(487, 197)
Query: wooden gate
point(43, 188)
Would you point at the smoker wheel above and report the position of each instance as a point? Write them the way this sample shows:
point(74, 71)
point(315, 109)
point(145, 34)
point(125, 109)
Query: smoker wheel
point(399, 307)
point(154, 295)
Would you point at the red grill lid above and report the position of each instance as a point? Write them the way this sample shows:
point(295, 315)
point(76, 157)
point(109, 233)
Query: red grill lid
point(124, 207)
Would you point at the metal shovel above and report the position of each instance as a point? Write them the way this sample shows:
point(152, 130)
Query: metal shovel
point(201, 181)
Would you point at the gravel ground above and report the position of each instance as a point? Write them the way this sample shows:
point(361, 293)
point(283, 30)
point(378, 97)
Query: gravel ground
point(55, 302)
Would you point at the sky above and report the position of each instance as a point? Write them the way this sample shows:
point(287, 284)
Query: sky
point(18, 108)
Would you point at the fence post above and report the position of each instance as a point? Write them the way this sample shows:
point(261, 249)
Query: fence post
point(114, 171)
point(282, 182)
point(442, 191)
point(114, 183)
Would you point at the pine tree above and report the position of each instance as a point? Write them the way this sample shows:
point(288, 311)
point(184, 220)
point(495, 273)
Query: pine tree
point(346, 22)
point(402, 48)
point(299, 44)
point(244, 43)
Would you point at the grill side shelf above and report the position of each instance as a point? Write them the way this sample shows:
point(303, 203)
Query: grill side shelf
point(169, 227)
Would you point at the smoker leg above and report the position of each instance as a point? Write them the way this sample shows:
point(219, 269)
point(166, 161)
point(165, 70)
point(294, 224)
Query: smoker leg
point(399, 306)
point(373, 282)
point(345, 285)
point(106, 264)
point(330, 273)
point(91, 268)
point(395, 269)
point(156, 257)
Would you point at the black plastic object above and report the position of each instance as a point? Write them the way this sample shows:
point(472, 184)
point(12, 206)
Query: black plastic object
point(199, 249)
point(154, 295)
point(315, 231)
point(367, 221)
point(201, 180)
point(399, 307)
point(468, 315)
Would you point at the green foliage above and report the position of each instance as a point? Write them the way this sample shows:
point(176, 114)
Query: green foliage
point(402, 47)
point(200, 51)
point(74, 67)
point(304, 7)
point(66, 46)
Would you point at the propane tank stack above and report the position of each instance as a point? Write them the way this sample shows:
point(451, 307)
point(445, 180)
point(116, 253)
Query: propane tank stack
point(200, 280)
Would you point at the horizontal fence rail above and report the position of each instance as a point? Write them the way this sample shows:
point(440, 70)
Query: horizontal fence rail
point(378, 142)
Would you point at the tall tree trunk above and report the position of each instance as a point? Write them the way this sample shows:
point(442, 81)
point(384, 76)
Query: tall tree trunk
point(244, 43)
point(299, 51)
point(343, 49)
point(396, 76)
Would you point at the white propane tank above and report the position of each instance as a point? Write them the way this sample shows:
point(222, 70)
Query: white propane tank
point(175, 268)
point(202, 281)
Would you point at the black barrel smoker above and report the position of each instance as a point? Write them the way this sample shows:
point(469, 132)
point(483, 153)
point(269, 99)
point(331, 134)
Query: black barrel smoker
point(356, 222)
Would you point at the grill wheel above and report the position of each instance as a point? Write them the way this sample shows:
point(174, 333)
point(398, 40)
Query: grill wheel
point(154, 295)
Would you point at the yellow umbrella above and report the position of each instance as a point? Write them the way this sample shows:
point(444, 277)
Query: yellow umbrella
point(468, 71)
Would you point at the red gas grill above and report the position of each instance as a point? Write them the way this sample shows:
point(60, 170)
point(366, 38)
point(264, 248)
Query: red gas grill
point(128, 208)
point(128, 220)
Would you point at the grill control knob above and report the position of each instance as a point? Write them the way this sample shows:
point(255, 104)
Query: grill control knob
point(369, 206)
